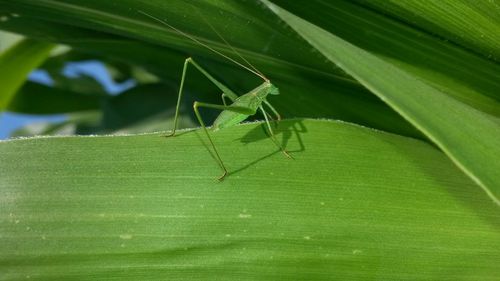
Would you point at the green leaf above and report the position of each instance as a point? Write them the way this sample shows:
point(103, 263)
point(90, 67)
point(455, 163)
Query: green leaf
point(462, 74)
point(16, 63)
point(383, 207)
point(469, 137)
point(472, 24)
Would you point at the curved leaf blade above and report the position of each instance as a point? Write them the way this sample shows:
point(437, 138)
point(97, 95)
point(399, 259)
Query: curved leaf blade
point(16, 63)
point(472, 145)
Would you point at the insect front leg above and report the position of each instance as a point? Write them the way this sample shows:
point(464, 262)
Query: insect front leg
point(224, 96)
point(271, 134)
point(275, 112)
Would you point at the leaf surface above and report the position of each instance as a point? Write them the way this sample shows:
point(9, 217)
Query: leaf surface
point(355, 204)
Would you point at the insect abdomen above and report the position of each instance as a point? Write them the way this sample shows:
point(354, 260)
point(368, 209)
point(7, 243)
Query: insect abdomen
point(227, 119)
point(246, 106)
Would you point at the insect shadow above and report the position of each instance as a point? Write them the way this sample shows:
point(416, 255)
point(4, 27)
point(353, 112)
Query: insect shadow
point(287, 129)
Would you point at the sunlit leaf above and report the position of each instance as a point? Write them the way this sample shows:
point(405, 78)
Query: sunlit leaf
point(354, 204)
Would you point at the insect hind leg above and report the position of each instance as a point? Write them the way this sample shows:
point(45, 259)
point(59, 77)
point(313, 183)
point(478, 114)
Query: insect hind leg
point(198, 116)
point(237, 109)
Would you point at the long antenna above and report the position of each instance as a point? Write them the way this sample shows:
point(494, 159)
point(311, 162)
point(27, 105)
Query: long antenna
point(227, 43)
point(204, 45)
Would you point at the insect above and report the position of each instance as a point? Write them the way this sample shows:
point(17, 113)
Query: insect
point(241, 107)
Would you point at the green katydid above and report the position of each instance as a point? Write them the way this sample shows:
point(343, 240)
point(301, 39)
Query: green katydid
point(242, 107)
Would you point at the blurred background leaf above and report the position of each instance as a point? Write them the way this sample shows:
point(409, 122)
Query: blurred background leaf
point(16, 63)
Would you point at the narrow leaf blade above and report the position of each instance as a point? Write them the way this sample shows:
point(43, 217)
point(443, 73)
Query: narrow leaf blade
point(469, 137)
point(16, 63)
